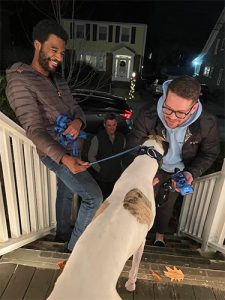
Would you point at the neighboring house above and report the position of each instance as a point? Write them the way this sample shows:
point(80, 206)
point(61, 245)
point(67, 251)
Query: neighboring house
point(209, 65)
point(116, 48)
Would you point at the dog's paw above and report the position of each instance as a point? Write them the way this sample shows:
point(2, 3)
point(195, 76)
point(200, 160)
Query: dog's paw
point(130, 286)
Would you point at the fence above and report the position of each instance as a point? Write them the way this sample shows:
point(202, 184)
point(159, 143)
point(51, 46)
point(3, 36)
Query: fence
point(28, 193)
point(202, 215)
point(27, 190)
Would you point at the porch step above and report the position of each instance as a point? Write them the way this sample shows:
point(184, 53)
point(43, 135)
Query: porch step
point(181, 257)
point(197, 276)
point(192, 276)
point(35, 258)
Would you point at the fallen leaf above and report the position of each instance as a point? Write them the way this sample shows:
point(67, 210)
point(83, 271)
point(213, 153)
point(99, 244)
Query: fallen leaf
point(174, 274)
point(61, 264)
point(155, 276)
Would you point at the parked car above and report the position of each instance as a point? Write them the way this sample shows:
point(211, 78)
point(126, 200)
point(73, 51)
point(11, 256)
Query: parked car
point(155, 87)
point(96, 105)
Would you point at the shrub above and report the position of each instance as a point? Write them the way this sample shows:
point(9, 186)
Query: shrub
point(4, 104)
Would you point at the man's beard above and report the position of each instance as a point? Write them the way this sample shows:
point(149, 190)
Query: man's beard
point(44, 61)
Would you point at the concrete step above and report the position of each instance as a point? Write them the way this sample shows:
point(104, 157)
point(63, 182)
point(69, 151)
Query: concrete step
point(198, 276)
point(35, 258)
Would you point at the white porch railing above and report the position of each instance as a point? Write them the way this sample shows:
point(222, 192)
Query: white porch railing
point(28, 193)
point(202, 215)
point(27, 190)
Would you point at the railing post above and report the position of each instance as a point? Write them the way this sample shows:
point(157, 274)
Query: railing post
point(214, 229)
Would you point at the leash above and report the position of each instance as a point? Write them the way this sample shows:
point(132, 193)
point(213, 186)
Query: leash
point(60, 126)
point(141, 150)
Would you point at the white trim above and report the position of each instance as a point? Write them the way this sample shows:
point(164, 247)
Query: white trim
point(222, 44)
point(220, 76)
point(217, 46)
point(103, 22)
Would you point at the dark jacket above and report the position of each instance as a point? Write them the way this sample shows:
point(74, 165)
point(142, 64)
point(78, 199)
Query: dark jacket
point(110, 169)
point(201, 144)
point(37, 102)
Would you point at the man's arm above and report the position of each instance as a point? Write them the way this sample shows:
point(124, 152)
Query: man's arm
point(92, 153)
point(208, 150)
point(24, 103)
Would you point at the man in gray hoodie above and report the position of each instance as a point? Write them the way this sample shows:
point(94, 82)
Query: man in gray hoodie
point(190, 138)
point(39, 96)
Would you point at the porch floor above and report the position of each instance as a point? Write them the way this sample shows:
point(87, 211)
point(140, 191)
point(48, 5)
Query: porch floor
point(31, 283)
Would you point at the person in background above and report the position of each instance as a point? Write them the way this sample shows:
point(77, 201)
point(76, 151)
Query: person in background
point(190, 138)
point(39, 95)
point(107, 142)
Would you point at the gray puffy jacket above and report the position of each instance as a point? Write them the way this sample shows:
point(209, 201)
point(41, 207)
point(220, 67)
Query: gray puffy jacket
point(37, 102)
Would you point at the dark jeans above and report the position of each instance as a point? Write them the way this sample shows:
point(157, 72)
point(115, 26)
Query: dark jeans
point(86, 187)
point(165, 202)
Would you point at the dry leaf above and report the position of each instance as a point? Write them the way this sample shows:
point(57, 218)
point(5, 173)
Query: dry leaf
point(62, 264)
point(174, 274)
point(155, 276)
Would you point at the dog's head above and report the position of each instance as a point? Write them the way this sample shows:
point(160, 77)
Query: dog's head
point(156, 142)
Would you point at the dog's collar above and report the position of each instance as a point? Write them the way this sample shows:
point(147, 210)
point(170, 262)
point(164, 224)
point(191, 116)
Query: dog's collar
point(150, 151)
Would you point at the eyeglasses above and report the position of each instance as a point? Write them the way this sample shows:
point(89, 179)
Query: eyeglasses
point(178, 114)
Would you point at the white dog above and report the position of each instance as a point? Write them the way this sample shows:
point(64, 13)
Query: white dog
point(117, 232)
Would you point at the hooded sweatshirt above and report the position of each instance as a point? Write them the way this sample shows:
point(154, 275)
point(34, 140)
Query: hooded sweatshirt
point(175, 136)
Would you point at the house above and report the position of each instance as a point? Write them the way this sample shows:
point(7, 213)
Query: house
point(115, 48)
point(209, 65)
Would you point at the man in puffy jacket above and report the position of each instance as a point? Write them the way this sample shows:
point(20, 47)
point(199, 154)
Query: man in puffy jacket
point(190, 137)
point(38, 95)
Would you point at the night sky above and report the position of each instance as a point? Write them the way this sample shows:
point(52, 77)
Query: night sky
point(174, 27)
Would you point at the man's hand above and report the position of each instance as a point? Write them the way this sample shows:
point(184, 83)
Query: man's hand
point(155, 181)
point(73, 128)
point(74, 164)
point(189, 178)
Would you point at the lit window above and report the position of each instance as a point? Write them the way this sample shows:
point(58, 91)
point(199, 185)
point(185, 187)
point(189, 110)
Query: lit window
point(102, 33)
point(206, 71)
point(220, 76)
point(79, 31)
point(222, 45)
point(125, 34)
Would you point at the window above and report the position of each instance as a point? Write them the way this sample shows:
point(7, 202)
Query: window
point(216, 47)
point(220, 76)
point(222, 44)
point(125, 34)
point(79, 31)
point(211, 72)
point(206, 71)
point(101, 63)
point(102, 33)
point(90, 59)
